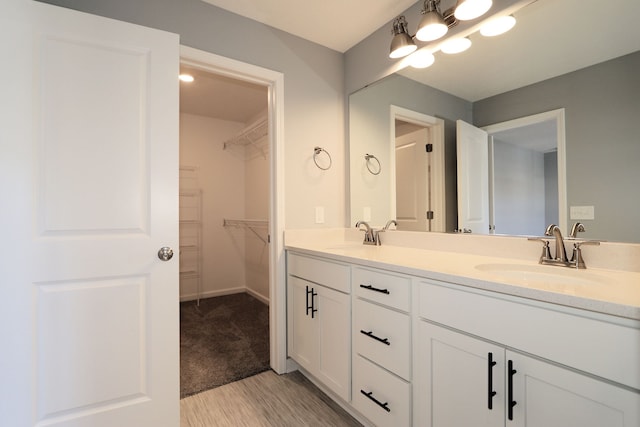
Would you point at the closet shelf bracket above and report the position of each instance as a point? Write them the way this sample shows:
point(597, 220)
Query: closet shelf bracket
point(250, 224)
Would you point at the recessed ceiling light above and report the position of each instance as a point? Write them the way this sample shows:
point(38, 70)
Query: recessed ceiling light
point(186, 78)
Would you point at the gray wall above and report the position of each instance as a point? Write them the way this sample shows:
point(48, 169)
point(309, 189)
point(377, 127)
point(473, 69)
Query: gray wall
point(313, 83)
point(369, 132)
point(602, 107)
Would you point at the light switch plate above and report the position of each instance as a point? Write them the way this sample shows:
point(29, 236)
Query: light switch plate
point(366, 213)
point(582, 212)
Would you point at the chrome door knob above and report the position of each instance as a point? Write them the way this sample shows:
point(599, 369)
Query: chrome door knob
point(165, 253)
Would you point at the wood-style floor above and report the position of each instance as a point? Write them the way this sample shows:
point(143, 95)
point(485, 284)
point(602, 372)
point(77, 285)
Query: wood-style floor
point(266, 399)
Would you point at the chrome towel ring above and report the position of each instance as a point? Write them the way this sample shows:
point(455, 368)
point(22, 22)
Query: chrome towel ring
point(316, 152)
point(367, 158)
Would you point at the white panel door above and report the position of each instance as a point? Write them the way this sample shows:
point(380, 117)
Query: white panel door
point(548, 395)
point(90, 149)
point(473, 178)
point(412, 181)
point(459, 380)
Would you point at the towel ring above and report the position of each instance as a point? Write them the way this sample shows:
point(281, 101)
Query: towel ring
point(316, 152)
point(367, 159)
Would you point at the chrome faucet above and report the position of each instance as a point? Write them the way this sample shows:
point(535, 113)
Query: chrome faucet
point(560, 258)
point(370, 235)
point(388, 224)
point(561, 253)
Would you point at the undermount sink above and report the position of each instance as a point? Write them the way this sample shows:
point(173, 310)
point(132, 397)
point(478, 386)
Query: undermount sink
point(550, 275)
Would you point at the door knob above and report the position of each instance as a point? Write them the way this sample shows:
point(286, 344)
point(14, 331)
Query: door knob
point(165, 253)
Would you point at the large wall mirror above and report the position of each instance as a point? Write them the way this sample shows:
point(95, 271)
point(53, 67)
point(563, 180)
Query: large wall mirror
point(563, 59)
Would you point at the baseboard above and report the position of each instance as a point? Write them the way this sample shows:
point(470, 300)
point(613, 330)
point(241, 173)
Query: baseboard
point(256, 295)
point(210, 294)
point(229, 291)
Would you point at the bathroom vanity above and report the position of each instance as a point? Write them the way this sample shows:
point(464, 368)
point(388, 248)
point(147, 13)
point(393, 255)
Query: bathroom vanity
point(401, 334)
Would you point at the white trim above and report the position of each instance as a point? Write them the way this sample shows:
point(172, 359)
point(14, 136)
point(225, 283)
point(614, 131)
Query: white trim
point(275, 82)
point(437, 136)
point(558, 117)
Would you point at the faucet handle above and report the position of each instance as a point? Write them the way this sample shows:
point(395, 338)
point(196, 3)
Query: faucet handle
point(576, 259)
point(546, 251)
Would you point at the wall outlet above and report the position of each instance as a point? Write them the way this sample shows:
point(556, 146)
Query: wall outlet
point(582, 212)
point(366, 213)
point(319, 214)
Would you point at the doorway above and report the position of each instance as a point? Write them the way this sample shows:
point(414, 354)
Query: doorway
point(274, 82)
point(224, 226)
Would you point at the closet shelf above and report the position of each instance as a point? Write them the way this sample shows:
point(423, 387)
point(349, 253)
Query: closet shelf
point(250, 224)
point(250, 135)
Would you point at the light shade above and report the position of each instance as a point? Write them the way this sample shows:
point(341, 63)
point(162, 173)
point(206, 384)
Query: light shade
point(471, 9)
point(421, 59)
point(432, 27)
point(497, 26)
point(456, 45)
point(402, 44)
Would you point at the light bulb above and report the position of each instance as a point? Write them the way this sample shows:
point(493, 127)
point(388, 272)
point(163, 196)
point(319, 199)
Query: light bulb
point(186, 78)
point(497, 26)
point(471, 9)
point(421, 59)
point(457, 45)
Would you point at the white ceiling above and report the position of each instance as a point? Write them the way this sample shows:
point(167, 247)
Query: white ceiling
point(336, 24)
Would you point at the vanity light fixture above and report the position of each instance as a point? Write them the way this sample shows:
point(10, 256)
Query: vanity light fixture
point(402, 43)
point(456, 45)
point(421, 59)
point(497, 26)
point(188, 78)
point(432, 26)
point(471, 9)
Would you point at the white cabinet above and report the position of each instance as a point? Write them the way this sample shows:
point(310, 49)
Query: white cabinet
point(462, 379)
point(319, 319)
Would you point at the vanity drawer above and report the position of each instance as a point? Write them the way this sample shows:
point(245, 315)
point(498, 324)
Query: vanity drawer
point(393, 395)
point(600, 344)
point(383, 336)
point(327, 273)
point(384, 288)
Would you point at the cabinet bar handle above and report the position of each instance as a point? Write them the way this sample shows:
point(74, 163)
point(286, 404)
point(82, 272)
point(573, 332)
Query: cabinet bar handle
point(511, 403)
point(384, 405)
point(308, 306)
point(371, 288)
point(370, 335)
point(313, 303)
point(491, 392)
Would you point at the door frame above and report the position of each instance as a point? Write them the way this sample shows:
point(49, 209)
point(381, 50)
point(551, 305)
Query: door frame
point(559, 117)
point(274, 81)
point(436, 127)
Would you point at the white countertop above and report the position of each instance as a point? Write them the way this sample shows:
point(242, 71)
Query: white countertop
point(613, 292)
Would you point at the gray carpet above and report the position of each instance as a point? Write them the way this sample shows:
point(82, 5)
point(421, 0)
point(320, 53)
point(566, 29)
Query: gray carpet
point(223, 340)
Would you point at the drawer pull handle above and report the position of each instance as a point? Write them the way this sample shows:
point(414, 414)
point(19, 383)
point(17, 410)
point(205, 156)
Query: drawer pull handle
point(370, 335)
point(371, 288)
point(491, 392)
point(384, 405)
point(511, 403)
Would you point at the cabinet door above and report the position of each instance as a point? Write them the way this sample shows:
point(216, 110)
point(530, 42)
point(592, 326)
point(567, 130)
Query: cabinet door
point(302, 328)
point(334, 335)
point(454, 378)
point(551, 396)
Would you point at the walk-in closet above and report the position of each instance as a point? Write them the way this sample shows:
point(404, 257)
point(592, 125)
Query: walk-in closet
point(224, 218)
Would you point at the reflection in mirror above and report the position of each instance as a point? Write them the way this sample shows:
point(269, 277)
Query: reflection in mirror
point(600, 99)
